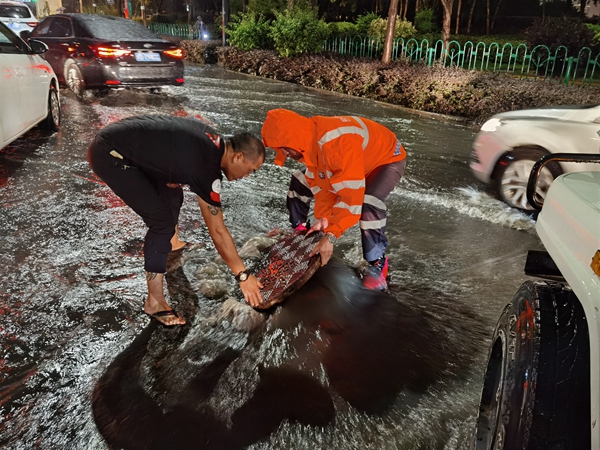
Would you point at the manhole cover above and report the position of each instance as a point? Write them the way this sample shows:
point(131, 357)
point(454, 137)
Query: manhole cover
point(287, 267)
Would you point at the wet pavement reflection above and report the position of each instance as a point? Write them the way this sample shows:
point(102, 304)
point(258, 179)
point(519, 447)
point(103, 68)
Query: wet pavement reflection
point(340, 350)
point(335, 366)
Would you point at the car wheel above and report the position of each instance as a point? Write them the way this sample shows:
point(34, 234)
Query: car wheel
point(75, 80)
point(52, 120)
point(536, 391)
point(512, 174)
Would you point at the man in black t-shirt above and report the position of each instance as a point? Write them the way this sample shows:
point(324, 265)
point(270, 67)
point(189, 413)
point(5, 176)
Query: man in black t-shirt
point(146, 159)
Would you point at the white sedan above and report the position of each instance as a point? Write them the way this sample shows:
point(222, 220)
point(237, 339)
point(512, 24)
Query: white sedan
point(510, 143)
point(28, 88)
point(17, 16)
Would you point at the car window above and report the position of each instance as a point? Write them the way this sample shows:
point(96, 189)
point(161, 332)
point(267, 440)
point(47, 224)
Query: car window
point(15, 12)
point(9, 42)
point(60, 27)
point(42, 28)
point(117, 29)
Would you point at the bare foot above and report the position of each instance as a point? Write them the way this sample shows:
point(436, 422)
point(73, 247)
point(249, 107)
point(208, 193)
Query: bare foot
point(178, 246)
point(176, 243)
point(154, 309)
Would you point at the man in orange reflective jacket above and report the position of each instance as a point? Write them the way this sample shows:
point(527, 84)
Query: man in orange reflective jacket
point(352, 164)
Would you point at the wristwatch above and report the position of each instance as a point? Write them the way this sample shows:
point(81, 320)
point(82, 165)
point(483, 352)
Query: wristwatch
point(242, 276)
point(331, 237)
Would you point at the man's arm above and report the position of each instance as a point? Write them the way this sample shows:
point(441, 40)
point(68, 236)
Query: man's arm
point(213, 217)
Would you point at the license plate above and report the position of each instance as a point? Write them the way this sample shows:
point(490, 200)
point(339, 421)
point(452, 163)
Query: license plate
point(13, 25)
point(147, 56)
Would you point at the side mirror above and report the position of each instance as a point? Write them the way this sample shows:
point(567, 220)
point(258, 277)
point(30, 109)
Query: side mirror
point(25, 35)
point(38, 46)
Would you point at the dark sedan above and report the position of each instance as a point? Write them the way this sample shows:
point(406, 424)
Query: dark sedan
point(89, 51)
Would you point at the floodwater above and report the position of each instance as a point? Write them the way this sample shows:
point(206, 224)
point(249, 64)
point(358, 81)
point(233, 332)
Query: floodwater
point(334, 367)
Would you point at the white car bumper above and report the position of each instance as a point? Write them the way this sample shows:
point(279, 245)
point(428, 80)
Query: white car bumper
point(487, 148)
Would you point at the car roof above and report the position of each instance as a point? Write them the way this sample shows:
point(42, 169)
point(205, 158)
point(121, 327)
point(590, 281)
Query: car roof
point(92, 17)
point(112, 27)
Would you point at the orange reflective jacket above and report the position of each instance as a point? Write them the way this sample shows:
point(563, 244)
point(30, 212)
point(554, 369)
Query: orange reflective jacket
point(339, 153)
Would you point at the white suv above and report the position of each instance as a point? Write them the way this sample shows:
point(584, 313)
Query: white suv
point(28, 87)
point(541, 388)
point(17, 16)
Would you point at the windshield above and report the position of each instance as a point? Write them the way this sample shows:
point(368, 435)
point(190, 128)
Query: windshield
point(15, 12)
point(117, 29)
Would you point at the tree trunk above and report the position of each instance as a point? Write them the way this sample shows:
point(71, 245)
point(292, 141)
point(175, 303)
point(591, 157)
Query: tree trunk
point(543, 10)
point(458, 11)
point(405, 10)
point(582, 8)
point(447, 21)
point(290, 4)
point(389, 33)
point(471, 17)
point(244, 6)
point(496, 13)
point(487, 17)
point(225, 19)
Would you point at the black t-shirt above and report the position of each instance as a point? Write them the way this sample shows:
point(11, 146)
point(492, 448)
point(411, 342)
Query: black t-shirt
point(172, 150)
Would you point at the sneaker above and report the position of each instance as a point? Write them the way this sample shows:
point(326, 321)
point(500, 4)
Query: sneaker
point(300, 228)
point(376, 274)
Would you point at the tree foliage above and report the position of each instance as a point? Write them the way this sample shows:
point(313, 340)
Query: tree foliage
point(363, 23)
point(556, 31)
point(266, 7)
point(298, 31)
point(345, 28)
point(403, 29)
point(425, 21)
point(250, 32)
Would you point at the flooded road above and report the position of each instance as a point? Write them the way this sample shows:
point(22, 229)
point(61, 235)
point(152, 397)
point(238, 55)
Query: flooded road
point(82, 367)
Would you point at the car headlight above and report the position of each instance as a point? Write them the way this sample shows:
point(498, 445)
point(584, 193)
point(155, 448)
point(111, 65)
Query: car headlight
point(491, 125)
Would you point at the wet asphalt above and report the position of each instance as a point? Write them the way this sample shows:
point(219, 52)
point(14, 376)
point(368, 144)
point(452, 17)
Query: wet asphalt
point(335, 366)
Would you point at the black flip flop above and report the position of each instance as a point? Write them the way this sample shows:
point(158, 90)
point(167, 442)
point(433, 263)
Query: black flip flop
point(187, 246)
point(170, 312)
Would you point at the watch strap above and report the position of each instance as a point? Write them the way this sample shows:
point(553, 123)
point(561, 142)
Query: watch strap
point(243, 274)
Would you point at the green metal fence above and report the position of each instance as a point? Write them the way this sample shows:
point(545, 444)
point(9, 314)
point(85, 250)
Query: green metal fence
point(538, 63)
point(182, 30)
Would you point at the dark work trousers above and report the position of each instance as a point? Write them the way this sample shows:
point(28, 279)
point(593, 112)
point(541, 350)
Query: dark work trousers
point(156, 203)
point(379, 184)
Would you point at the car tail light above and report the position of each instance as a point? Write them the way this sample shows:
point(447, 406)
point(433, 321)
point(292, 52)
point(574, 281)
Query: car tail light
point(109, 52)
point(32, 24)
point(179, 80)
point(113, 82)
point(176, 53)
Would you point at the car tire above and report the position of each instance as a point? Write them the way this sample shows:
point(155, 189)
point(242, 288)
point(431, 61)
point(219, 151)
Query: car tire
point(536, 392)
point(509, 181)
point(74, 80)
point(52, 120)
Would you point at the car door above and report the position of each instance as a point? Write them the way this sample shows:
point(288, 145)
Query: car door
point(57, 33)
point(11, 62)
point(25, 84)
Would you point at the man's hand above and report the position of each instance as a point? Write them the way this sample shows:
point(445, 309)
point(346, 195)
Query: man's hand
point(251, 290)
point(319, 225)
point(323, 248)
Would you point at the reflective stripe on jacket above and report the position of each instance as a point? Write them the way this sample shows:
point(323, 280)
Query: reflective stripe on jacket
point(339, 153)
